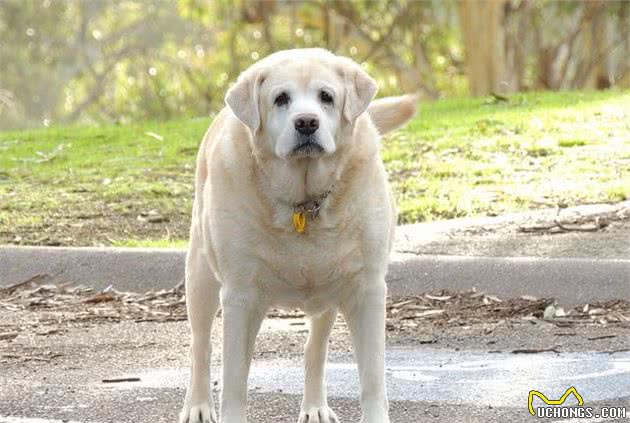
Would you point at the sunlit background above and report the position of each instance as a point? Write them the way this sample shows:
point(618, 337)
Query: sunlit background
point(67, 61)
point(524, 105)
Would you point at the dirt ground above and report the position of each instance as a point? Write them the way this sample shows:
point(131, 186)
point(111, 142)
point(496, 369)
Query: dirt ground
point(38, 323)
point(132, 222)
point(98, 223)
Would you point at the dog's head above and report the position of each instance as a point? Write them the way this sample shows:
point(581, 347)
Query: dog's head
point(301, 103)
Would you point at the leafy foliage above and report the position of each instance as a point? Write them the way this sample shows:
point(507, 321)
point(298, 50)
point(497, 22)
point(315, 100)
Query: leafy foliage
point(125, 61)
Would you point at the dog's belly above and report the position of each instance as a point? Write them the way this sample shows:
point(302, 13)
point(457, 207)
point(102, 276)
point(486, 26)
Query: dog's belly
point(312, 277)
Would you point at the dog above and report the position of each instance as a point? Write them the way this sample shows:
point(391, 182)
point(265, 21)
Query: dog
point(292, 209)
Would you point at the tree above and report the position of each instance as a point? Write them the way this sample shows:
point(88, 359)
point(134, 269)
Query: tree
point(94, 61)
point(481, 23)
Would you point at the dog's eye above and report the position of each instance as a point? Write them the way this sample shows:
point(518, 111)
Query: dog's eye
point(282, 99)
point(325, 97)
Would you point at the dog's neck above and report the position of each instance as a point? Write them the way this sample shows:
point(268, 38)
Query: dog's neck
point(298, 181)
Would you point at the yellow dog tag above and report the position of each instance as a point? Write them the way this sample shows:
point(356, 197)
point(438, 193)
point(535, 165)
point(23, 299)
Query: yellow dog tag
point(299, 221)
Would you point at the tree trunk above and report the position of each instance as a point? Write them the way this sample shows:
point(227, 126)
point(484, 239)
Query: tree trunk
point(481, 23)
point(596, 44)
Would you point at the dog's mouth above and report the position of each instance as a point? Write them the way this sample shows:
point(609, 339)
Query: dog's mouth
point(307, 148)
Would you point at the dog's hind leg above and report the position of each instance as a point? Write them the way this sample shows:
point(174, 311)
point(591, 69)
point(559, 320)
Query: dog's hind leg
point(315, 404)
point(202, 300)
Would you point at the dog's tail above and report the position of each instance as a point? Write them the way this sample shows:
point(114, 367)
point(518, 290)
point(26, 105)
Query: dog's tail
point(390, 113)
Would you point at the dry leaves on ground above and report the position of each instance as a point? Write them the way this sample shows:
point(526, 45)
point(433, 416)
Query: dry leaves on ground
point(64, 303)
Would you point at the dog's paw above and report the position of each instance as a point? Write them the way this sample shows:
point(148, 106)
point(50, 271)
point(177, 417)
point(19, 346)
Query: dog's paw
point(378, 417)
point(375, 412)
point(317, 415)
point(375, 419)
point(200, 413)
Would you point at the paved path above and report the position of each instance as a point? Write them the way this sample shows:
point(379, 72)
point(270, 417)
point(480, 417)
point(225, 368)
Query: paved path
point(570, 280)
point(424, 386)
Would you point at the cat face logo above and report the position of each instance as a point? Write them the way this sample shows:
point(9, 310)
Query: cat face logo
point(571, 390)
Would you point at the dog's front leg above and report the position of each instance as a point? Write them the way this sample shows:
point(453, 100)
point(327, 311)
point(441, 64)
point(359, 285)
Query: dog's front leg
point(202, 299)
point(243, 312)
point(315, 404)
point(365, 316)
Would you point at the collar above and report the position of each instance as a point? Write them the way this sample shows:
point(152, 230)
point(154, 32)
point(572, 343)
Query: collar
point(312, 207)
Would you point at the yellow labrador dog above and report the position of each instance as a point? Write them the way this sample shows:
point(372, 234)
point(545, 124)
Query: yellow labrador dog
point(292, 209)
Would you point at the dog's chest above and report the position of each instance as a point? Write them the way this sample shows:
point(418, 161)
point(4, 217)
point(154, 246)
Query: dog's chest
point(303, 268)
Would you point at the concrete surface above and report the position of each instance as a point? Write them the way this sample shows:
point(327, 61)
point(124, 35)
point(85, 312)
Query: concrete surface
point(570, 280)
point(127, 269)
point(497, 380)
point(423, 386)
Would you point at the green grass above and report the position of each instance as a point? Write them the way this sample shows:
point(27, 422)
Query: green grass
point(477, 157)
point(458, 157)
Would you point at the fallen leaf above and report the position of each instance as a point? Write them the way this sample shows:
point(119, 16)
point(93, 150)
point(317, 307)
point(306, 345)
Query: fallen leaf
point(8, 335)
point(430, 313)
point(154, 135)
point(529, 298)
point(596, 338)
point(438, 298)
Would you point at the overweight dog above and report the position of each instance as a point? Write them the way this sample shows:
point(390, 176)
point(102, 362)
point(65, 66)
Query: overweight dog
point(292, 209)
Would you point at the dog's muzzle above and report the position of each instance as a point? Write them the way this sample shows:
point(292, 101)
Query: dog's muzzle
point(307, 146)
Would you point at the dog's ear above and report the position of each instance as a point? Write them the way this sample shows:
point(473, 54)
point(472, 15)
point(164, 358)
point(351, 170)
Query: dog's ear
point(360, 89)
point(243, 97)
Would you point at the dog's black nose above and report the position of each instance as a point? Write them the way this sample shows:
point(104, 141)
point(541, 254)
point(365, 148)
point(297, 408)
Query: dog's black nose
point(306, 124)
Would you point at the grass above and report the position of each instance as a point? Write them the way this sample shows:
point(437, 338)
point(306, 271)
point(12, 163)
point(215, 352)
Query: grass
point(477, 157)
point(132, 185)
